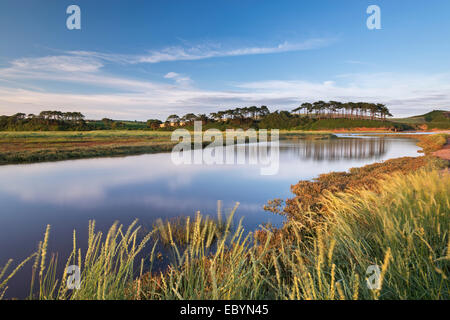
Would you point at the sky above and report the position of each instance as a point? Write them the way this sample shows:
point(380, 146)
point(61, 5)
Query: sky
point(136, 59)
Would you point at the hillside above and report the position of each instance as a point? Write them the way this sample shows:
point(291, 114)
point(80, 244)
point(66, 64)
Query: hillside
point(436, 119)
point(354, 124)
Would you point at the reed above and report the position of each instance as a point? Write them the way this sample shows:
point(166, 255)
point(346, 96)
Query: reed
point(181, 229)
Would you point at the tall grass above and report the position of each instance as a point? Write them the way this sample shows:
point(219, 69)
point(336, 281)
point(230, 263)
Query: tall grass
point(4, 278)
point(403, 228)
point(410, 220)
point(107, 266)
point(433, 142)
point(181, 229)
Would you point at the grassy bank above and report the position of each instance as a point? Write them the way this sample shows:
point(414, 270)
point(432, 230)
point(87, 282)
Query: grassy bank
point(29, 147)
point(432, 143)
point(306, 206)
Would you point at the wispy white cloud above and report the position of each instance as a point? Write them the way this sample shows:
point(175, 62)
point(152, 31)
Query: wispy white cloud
point(77, 70)
point(88, 67)
point(180, 79)
point(64, 63)
point(204, 51)
point(404, 94)
point(121, 97)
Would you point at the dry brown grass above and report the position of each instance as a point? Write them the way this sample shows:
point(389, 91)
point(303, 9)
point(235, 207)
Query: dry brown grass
point(434, 142)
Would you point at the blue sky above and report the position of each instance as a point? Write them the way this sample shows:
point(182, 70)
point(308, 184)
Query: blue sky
point(148, 59)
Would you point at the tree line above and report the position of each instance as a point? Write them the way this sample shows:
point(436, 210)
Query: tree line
point(307, 116)
point(49, 115)
point(45, 120)
point(252, 112)
point(236, 116)
point(318, 110)
point(319, 115)
point(348, 110)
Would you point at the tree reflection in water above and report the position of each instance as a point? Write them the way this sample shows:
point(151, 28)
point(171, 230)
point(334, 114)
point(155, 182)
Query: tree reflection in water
point(339, 149)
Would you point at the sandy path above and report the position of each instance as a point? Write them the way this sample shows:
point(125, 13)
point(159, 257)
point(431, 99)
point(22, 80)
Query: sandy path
point(444, 153)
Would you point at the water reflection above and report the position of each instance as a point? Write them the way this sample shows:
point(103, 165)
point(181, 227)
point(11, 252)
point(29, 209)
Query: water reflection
point(338, 149)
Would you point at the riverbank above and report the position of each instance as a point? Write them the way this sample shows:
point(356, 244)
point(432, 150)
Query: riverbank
point(31, 147)
point(384, 131)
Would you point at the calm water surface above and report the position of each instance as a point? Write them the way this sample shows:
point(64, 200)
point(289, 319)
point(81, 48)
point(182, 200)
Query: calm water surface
point(68, 194)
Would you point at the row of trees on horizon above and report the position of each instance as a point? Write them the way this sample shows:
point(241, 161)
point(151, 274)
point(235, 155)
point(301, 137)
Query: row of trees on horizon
point(348, 110)
point(237, 113)
point(45, 120)
point(52, 115)
point(246, 116)
point(318, 109)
